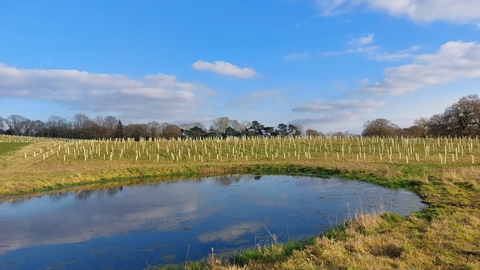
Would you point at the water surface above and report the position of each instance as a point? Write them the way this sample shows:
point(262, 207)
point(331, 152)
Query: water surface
point(126, 227)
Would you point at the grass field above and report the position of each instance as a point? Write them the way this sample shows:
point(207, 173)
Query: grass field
point(443, 171)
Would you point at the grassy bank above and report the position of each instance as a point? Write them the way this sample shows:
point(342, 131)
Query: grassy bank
point(444, 236)
point(443, 171)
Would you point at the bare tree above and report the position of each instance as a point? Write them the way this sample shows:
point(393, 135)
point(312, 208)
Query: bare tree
point(154, 129)
point(421, 126)
point(221, 124)
point(465, 116)
point(29, 128)
point(81, 121)
point(53, 125)
point(39, 128)
point(236, 126)
point(81, 126)
point(312, 133)
point(437, 126)
point(58, 127)
point(136, 131)
point(172, 131)
point(98, 120)
point(16, 124)
point(244, 125)
point(460, 119)
point(379, 127)
point(110, 123)
point(35, 128)
point(337, 134)
point(2, 120)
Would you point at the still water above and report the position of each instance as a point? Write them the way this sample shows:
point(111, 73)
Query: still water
point(162, 223)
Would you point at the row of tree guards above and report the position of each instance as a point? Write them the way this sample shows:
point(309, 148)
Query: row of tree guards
point(235, 149)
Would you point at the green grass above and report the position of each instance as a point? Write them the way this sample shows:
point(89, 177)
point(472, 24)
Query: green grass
point(10, 147)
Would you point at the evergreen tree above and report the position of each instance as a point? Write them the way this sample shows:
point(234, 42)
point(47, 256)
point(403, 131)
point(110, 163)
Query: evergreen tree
point(119, 131)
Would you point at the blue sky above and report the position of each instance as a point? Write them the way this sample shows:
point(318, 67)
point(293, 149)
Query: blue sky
point(328, 65)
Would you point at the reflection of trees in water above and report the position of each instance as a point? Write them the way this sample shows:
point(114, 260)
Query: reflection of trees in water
point(176, 180)
point(113, 191)
point(16, 201)
point(55, 197)
point(85, 194)
point(223, 180)
point(226, 180)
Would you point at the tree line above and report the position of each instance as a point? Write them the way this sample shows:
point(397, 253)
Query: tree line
point(84, 127)
point(460, 119)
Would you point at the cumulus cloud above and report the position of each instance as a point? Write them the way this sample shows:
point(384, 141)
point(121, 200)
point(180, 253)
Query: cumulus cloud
point(296, 56)
point(457, 11)
point(153, 95)
point(225, 68)
point(453, 61)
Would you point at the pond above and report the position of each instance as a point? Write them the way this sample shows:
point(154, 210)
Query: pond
point(170, 222)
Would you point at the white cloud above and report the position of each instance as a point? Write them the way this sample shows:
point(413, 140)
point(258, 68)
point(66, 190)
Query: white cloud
point(358, 45)
point(159, 95)
point(396, 56)
point(457, 11)
point(331, 7)
point(342, 105)
point(453, 61)
point(371, 51)
point(376, 53)
point(361, 41)
point(336, 112)
point(333, 118)
point(332, 53)
point(296, 56)
point(230, 233)
point(225, 68)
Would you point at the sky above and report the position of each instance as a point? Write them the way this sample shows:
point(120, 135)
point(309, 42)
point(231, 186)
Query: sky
point(328, 65)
